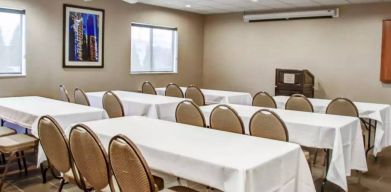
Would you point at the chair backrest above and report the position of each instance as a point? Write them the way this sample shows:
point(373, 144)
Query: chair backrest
point(64, 94)
point(224, 118)
point(267, 124)
point(299, 102)
point(342, 106)
point(187, 112)
point(173, 90)
point(90, 157)
point(80, 97)
point(148, 88)
point(129, 167)
point(112, 104)
point(194, 93)
point(263, 99)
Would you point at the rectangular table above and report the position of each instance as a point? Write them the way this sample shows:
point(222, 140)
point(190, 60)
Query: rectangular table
point(26, 111)
point(378, 112)
point(341, 134)
point(225, 161)
point(139, 104)
point(217, 96)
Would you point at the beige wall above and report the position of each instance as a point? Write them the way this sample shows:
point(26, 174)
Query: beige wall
point(343, 54)
point(44, 48)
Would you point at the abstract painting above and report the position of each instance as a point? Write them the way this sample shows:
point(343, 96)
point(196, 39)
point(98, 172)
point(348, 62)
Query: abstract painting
point(83, 37)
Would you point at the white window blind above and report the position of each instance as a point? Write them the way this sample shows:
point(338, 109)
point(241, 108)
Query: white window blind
point(154, 49)
point(12, 42)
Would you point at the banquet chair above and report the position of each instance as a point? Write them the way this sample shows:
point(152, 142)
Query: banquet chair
point(173, 90)
point(194, 93)
point(224, 118)
point(298, 102)
point(64, 94)
point(148, 88)
point(267, 124)
point(342, 106)
point(112, 104)
point(187, 112)
point(15, 145)
point(80, 97)
point(130, 169)
point(90, 158)
point(263, 99)
point(56, 148)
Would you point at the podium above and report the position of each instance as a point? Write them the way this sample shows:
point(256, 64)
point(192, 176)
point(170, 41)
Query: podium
point(289, 82)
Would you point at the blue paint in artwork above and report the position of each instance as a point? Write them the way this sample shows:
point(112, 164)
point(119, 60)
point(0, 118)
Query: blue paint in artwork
point(83, 37)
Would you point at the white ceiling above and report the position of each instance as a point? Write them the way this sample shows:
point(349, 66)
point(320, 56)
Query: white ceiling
point(226, 6)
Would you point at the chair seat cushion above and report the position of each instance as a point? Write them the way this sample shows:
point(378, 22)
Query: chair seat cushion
point(17, 142)
point(159, 182)
point(306, 154)
point(179, 189)
point(4, 131)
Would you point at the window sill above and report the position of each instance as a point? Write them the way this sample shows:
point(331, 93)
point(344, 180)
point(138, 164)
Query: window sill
point(12, 75)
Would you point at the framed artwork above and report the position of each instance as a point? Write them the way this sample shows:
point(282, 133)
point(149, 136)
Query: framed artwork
point(83, 37)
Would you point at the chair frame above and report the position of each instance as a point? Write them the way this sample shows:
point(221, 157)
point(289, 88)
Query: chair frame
point(231, 109)
point(173, 84)
point(117, 98)
point(150, 84)
point(102, 150)
point(74, 172)
point(152, 184)
point(192, 103)
point(302, 96)
point(275, 115)
point(83, 93)
point(193, 86)
point(63, 88)
point(267, 94)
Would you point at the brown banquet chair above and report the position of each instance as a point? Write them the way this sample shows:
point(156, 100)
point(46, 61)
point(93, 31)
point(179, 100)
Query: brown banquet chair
point(267, 124)
point(112, 104)
point(173, 90)
point(225, 118)
point(64, 94)
point(80, 97)
point(148, 88)
point(263, 99)
point(130, 169)
point(342, 106)
point(298, 102)
point(56, 148)
point(90, 158)
point(195, 94)
point(187, 112)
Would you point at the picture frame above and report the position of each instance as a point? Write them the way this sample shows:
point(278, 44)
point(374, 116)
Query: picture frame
point(83, 37)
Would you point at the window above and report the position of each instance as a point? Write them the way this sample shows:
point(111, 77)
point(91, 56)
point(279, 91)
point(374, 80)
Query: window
point(12, 42)
point(154, 49)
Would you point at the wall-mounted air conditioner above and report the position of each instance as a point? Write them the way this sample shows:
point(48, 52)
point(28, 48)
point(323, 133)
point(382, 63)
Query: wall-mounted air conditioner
point(273, 16)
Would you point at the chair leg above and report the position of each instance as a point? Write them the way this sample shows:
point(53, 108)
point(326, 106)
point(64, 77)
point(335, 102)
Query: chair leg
point(19, 163)
point(316, 155)
point(12, 157)
point(44, 170)
point(3, 158)
point(61, 185)
point(24, 162)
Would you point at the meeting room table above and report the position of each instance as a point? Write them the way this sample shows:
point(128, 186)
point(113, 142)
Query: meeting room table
point(218, 96)
point(139, 104)
point(379, 117)
point(341, 134)
point(222, 160)
point(26, 111)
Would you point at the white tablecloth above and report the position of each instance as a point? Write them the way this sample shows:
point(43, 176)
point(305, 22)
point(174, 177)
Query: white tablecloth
point(26, 111)
point(341, 134)
point(226, 161)
point(139, 104)
point(379, 112)
point(217, 96)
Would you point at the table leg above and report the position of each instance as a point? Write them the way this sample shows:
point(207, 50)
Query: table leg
point(328, 156)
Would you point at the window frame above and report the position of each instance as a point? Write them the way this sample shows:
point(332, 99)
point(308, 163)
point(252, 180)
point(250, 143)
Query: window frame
point(23, 26)
point(175, 44)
